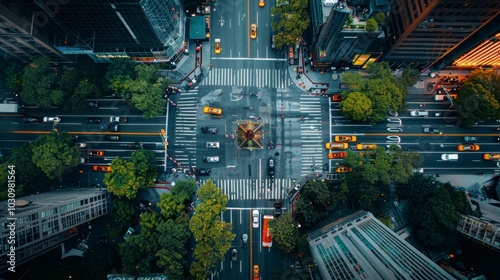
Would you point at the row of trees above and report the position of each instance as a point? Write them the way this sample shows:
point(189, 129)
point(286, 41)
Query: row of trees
point(45, 84)
point(289, 20)
point(370, 96)
point(166, 239)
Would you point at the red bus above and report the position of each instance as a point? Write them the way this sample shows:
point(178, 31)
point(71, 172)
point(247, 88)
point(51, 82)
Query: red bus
point(267, 240)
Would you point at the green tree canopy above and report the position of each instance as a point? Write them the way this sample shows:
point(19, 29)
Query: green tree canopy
point(357, 106)
point(285, 232)
point(380, 18)
point(371, 25)
point(41, 84)
point(290, 22)
point(54, 154)
point(119, 71)
point(173, 251)
point(122, 212)
point(475, 103)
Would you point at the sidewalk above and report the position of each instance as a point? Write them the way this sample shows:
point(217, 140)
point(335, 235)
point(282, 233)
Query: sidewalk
point(188, 68)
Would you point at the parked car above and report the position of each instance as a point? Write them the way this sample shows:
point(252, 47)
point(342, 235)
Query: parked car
point(129, 232)
point(102, 168)
point(213, 159)
point(277, 209)
point(81, 145)
point(209, 130)
point(30, 120)
point(114, 119)
point(270, 168)
point(336, 98)
point(112, 137)
point(110, 127)
point(234, 255)
point(135, 145)
point(93, 120)
point(95, 153)
point(255, 218)
point(51, 119)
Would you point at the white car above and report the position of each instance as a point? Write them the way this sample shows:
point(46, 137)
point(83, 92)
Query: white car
point(255, 218)
point(213, 145)
point(114, 119)
point(51, 119)
point(81, 145)
point(211, 159)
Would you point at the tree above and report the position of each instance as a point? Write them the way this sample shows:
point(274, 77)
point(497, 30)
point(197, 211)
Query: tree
point(151, 103)
point(135, 260)
point(41, 84)
point(409, 77)
point(122, 212)
point(13, 76)
point(357, 106)
point(127, 176)
point(290, 22)
point(54, 155)
point(380, 18)
point(475, 103)
point(119, 71)
point(355, 81)
point(285, 232)
point(173, 252)
point(78, 100)
point(213, 236)
point(371, 25)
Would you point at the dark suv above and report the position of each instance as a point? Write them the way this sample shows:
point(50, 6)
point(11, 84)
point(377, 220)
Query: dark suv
point(203, 171)
point(209, 130)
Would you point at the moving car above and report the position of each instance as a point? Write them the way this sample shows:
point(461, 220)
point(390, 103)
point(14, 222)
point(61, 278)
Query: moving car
point(209, 130)
point(256, 272)
point(135, 145)
point(270, 167)
point(93, 120)
point(213, 145)
point(277, 209)
point(112, 137)
point(81, 145)
point(333, 145)
point(343, 169)
point(255, 218)
point(253, 31)
point(342, 138)
point(244, 240)
point(470, 138)
point(114, 119)
point(234, 255)
point(101, 168)
point(468, 147)
point(95, 153)
point(431, 130)
point(30, 119)
point(110, 127)
point(92, 104)
point(448, 157)
point(337, 155)
point(129, 232)
point(366, 147)
point(212, 110)
point(491, 156)
point(262, 3)
point(213, 159)
point(51, 119)
point(203, 171)
point(336, 98)
point(419, 113)
point(217, 47)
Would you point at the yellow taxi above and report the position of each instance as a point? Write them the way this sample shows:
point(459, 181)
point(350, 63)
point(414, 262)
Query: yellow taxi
point(342, 138)
point(337, 155)
point(256, 272)
point(366, 147)
point(102, 168)
point(253, 31)
point(217, 47)
point(333, 145)
point(212, 111)
point(468, 147)
point(491, 156)
point(343, 169)
point(262, 3)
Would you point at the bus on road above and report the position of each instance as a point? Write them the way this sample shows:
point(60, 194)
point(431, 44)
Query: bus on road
point(267, 240)
point(9, 107)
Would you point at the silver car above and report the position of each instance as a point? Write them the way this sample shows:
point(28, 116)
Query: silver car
point(211, 159)
point(255, 218)
point(213, 145)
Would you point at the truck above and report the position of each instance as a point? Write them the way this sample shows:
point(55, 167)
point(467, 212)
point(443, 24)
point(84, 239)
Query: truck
point(9, 107)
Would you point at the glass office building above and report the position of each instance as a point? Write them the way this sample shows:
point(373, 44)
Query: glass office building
point(359, 246)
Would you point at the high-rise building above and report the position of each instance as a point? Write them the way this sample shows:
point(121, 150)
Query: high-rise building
point(145, 30)
point(41, 222)
point(433, 33)
point(359, 246)
point(482, 231)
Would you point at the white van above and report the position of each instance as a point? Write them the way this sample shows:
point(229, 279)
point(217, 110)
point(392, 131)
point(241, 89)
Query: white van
point(448, 157)
point(419, 113)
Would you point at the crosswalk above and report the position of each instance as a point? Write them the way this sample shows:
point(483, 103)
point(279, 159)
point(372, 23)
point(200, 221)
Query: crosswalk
point(311, 135)
point(248, 189)
point(272, 78)
point(185, 128)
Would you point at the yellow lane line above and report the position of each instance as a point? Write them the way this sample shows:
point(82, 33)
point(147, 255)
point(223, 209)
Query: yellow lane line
point(83, 132)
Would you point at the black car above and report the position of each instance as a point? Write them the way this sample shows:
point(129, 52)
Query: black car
point(110, 127)
point(135, 145)
point(270, 167)
point(93, 120)
point(203, 171)
point(30, 119)
point(277, 209)
point(92, 104)
point(112, 137)
point(209, 130)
